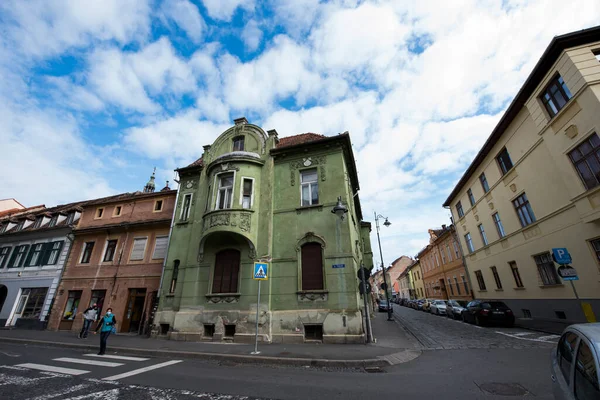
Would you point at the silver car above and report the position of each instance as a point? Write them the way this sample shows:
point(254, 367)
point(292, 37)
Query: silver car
point(438, 307)
point(575, 368)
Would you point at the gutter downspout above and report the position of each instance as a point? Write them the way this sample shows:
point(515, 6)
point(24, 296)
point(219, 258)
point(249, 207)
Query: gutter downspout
point(162, 273)
point(462, 253)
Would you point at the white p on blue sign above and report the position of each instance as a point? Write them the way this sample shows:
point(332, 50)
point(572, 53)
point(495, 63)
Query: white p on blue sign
point(561, 255)
point(261, 271)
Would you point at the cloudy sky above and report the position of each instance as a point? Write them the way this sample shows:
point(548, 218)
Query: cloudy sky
point(94, 93)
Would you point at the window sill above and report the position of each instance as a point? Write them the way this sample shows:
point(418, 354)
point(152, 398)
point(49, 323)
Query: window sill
point(222, 294)
point(499, 290)
point(182, 223)
point(482, 291)
point(519, 288)
point(309, 207)
point(170, 295)
point(322, 291)
point(558, 285)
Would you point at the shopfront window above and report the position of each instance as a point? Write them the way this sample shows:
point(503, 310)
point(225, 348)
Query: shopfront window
point(35, 302)
point(72, 304)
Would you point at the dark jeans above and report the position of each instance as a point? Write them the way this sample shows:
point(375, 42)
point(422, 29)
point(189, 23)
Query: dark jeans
point(103, 338)
point(86, 327)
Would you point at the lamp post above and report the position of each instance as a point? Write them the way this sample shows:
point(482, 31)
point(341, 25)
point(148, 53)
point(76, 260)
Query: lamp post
point(386, 224)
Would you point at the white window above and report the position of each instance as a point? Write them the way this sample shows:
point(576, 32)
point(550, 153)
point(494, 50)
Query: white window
point(185, 209)
point(456, 250)
point(310, 187)
point(55, 252)
point(225, 194)
point(483, 235)
point(238, 143)
point(247, 188)
point(139, 248)
point(449, 252)
point(437, 260)
point(160, 247)
point(35, 252)
point(469, 242)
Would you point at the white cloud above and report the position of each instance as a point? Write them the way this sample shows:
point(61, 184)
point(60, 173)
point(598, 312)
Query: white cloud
point(186, 16)
point(48, 27)
point(224, 9)
point(123, 77)
point(252, 35)
point(74, 96)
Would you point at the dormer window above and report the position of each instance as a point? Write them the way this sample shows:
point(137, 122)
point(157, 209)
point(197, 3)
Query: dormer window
point(70, 218)
point(38, 222)
point(99, 213)
point(19, 226)
point(3, 228)
point(238, 143)
point(53, 221)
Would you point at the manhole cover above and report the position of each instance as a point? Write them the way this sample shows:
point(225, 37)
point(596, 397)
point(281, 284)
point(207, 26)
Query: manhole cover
point(374, 370)
point(503, 389)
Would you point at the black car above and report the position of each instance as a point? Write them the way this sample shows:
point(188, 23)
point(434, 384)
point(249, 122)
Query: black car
point(383, 306)
point(482, 312)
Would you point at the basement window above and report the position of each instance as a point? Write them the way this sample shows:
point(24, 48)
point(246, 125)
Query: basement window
point(229, 331)
point(313, 332)
point(209, 330)
point(164, 329)
point(526, 313)
point(560, 314)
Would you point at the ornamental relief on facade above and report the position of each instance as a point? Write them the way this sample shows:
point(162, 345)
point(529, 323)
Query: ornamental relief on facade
point(220, 299)
point(312, 297)
point(240, 220)
point(319, 161)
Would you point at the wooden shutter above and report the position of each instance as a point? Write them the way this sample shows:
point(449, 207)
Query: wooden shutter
point(139, 246)
point(160, 247)
point(24, 256)
point(227, 269)
point(312, 267)
point(13, 256)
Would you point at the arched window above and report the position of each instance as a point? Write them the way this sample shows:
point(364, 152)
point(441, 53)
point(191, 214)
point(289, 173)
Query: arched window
point(312, 266)
point(227, 270)
point(174, 276)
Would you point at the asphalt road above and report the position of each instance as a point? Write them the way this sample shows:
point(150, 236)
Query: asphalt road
point(449, 368)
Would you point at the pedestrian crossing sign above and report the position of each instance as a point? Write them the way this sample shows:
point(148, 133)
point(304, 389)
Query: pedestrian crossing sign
point(261, 271)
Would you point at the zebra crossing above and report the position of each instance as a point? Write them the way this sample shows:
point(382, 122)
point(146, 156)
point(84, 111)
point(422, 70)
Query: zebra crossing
point(74, 366)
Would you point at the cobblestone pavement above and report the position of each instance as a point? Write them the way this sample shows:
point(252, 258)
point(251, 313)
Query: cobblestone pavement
point(440, 332)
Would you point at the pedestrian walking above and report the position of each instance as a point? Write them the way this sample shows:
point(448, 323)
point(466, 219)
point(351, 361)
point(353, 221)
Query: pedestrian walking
point(90, 315)
point(107, 325)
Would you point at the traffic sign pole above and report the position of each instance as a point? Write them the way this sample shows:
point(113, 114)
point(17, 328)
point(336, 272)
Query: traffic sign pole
point(257, 313)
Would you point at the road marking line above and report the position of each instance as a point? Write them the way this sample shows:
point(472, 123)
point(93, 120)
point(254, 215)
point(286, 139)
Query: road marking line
point(62, 393)
point(551, 337)
point(523, 338)
point(141, 370)
point(51, 368)
point(118, 357)
point(89, 362)
point(523, 333)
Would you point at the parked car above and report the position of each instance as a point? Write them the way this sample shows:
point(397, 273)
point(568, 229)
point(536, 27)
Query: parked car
point(454, 308)
point(384, 306)
point(419, 304)
point(481, 312)
point(438, 307)
point(575, 363)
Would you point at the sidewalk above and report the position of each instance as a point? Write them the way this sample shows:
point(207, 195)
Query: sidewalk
point(393, 348)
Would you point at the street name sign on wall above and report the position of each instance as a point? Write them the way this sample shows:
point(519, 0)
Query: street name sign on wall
point(561, 256)
point(261, 271)
point(339, 265)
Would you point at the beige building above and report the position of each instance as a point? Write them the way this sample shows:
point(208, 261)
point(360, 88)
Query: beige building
point(535, 186)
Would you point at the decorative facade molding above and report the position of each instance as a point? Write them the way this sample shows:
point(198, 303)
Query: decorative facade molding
point(223, 299)
point(320, 161)
point(312, 297)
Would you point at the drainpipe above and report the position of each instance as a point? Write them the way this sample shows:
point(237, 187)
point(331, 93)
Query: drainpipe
point(162, 273)
point(462, 253)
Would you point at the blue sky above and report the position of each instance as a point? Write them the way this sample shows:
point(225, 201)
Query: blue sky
point(94, 94)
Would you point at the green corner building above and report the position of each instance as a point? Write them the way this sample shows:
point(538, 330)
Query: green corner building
point(253, 197)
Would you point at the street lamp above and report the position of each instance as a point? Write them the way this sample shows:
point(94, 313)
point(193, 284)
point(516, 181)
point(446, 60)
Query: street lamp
point(340, 209)
point(386, 224)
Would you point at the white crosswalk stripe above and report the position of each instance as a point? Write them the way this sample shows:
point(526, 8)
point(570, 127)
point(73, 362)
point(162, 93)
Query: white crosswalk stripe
point(125, 358)
point(88, 362)
point(52, 368)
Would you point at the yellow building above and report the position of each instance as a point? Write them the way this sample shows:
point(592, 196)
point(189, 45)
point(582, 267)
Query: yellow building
point(416, 280)
point(535, 186)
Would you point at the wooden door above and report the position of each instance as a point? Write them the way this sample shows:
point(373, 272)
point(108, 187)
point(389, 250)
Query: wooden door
point(134, 309)
point(227, 270)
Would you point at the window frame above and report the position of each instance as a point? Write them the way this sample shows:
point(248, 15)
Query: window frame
point(480, 280)
point(106, 247)
point(157, 202)
point(484, 238)
point(166, 247)
point(465, 283)
point(471, 197)
point(486, 186)
point(310, 187)
point(459, 209)
point(15, 254)
point(238, 279)
point(83, 252)
point(302, 282)
point(547, 266)
point(184, 213)
point(584, 160)
point(583, 341)
point(218, 178)
point(496, 276)
point(514, 268)
point(238, 139)
point(145, 238)
point(53, 221)
point(498, 224)
point(174, 276)
point(469, 242)
point(520, 208)
point(503, 162)
point(32, 252)
point(559, 356)
point(5, 253)
point(118, 207)
point(99, 213)
point(72, 308)
point(243, 195)
point(560, 83)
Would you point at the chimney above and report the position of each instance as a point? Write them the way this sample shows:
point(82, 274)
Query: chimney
point(444, 227)
point(240, 121)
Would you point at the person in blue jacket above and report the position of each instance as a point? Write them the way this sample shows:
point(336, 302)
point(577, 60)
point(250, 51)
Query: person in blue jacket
point(107, 325)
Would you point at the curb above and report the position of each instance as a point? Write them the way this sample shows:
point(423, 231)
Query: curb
point(240, 358)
